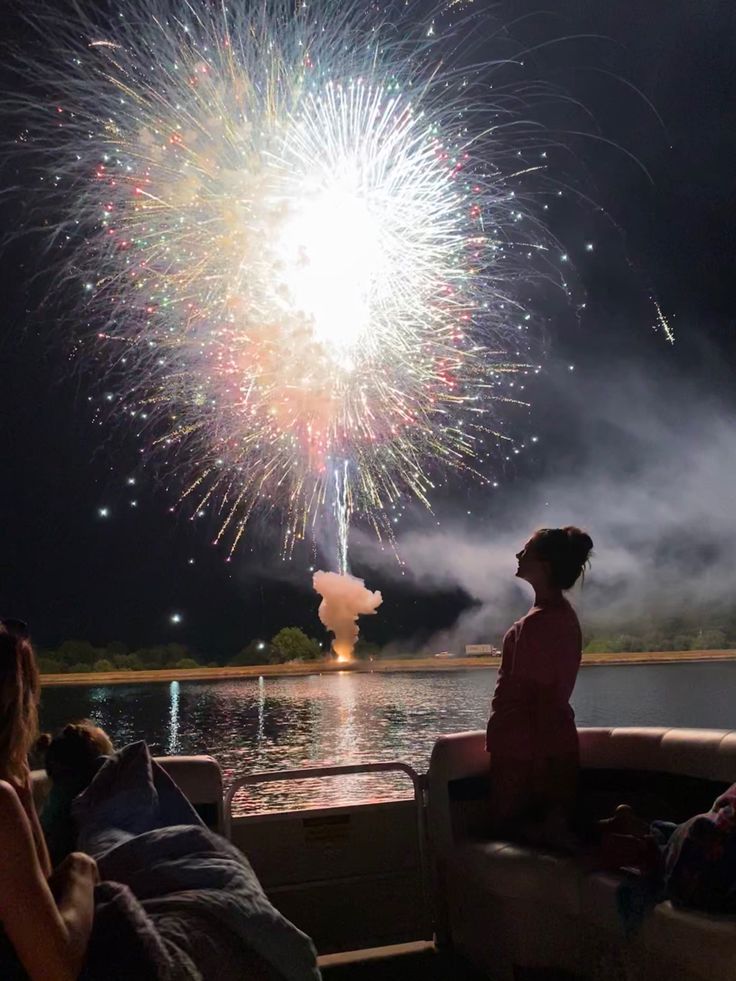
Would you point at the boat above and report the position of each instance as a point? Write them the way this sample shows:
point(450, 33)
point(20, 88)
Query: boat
point(413, 888)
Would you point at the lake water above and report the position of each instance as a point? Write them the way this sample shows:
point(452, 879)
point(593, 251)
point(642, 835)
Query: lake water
point(279, 723)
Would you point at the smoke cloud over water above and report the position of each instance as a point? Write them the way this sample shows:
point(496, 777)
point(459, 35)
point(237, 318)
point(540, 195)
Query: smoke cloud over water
point(344, 599)
point(650, 473)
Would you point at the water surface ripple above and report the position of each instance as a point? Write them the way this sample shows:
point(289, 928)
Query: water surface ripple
point(280, 723)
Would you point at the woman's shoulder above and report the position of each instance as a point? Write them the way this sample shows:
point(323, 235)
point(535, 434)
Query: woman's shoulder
point(544, 618)
point(8, 794)
point(11, 809)
point(9, 801)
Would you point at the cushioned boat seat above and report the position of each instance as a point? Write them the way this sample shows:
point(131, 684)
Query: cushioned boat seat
point(515, 872)
point(198, 777)
point(505, 905)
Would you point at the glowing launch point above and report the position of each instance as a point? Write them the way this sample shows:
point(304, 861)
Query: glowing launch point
point(344, 652)
point(344, 599)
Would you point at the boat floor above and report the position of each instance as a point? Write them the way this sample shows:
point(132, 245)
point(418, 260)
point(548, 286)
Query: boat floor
point(427, 965)
point(422, 963)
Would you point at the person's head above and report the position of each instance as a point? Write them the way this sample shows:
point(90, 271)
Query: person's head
point(71, 756)
point(554, 557)
point(19, 694)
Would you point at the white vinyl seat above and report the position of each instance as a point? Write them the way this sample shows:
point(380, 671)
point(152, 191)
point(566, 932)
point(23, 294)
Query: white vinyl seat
point(200, 780)
point(523, 874)
point(505, 905)
point(198, 777)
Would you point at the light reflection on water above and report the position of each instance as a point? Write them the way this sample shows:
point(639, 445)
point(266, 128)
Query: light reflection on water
point(172, 744)
point(283, 723)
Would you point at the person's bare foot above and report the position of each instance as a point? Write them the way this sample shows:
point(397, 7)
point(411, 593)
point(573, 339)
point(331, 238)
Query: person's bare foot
point(624, 822)
point(634, 853)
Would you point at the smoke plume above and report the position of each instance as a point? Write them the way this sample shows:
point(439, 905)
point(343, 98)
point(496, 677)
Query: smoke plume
point(344, 599)
point(650, 476)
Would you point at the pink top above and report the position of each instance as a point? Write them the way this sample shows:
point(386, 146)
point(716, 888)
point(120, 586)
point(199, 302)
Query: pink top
point(531, 717)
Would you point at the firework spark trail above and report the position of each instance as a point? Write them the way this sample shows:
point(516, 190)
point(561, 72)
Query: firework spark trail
point(663, 323)
point(342, 509)
point(309, 235)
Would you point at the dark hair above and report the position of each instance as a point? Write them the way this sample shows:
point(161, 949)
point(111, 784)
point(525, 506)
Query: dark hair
point(19, 694)
point(71, 756)
point(566, 550)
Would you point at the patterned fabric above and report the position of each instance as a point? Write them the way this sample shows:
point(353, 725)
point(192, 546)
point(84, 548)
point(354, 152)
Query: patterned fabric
point(700, 859)
point(698, 866)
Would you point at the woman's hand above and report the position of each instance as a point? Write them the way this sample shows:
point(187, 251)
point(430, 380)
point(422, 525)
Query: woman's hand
point(49, 936)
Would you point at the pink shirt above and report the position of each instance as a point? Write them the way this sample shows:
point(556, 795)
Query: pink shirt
point(531, 717)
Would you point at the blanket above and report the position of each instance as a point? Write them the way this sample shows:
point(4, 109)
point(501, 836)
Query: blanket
point(177, 902)
point(700, 859)
point(698, 866)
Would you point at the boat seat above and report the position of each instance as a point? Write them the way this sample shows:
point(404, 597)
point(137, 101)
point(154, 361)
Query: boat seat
point(198, 777)
point(200, 780)
point(506, 906)
point(521, 873)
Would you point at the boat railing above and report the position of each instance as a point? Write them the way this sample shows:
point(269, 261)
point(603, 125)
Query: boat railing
point(418, 781)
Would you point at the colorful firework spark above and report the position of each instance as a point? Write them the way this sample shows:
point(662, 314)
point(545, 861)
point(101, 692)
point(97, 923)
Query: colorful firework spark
point(304, 232)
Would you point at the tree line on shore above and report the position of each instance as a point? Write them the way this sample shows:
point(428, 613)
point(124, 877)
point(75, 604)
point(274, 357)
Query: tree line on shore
point(80, 656)
point(706, 631)
point(293, 644)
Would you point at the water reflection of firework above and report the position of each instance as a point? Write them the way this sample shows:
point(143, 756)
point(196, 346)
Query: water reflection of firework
point(305, 234)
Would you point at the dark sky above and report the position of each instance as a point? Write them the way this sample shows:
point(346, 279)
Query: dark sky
point(72, 573)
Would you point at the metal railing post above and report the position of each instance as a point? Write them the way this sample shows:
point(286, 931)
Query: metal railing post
point(350, 769)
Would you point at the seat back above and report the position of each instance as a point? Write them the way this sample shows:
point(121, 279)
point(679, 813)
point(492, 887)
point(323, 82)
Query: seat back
point(668, 774)
point(200, 780)
point(664, 773)
point(198, 777)
point(705, 753)
point(457, 786)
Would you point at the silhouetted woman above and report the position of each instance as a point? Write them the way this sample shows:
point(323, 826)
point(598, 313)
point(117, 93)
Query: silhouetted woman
point(46, 919)
point(531, 736)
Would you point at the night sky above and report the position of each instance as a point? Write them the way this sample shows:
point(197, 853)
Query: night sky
point(86, 554)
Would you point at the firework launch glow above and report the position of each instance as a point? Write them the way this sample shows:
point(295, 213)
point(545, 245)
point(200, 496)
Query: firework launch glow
point(301, 237)
point(344, 599)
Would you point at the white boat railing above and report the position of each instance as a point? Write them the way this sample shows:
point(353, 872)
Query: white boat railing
point(350, 769)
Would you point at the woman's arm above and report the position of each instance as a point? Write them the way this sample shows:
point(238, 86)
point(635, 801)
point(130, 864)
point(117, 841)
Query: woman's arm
point(72, 886)
point(50, 940)
point(25, 795)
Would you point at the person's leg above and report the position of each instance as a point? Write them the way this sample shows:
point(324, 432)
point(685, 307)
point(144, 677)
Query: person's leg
point(511, 793)
point(628, 841)
point(554, 793)
point(556, 784)
point(625, 821)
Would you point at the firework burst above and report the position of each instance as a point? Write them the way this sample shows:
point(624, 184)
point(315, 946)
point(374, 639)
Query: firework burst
point(302, 236)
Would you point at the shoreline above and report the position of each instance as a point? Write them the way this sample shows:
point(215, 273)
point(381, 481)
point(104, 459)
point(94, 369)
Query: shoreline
point(388, 666)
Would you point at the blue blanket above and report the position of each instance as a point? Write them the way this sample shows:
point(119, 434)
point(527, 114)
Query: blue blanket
point(177, 902)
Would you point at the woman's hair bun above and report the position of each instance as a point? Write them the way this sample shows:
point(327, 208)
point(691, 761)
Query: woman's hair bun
point(567, 550)
point(579, 540)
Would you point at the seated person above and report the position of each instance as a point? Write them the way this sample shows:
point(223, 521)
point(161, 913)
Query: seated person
point(46, 919)
point(175, 897)
point(71, 759)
